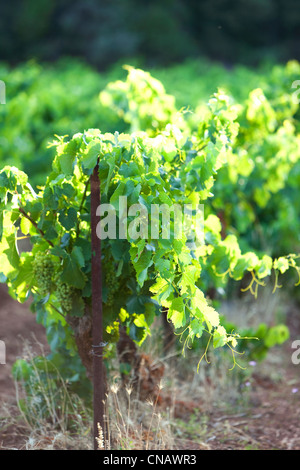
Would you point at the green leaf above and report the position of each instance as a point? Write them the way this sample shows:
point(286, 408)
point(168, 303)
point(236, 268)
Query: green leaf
point(119, 191)
point(72, 273)
point(150, 311)
point(246, 262)
point(141, 265)
point(50, 199)
point(219, 337)
point(281, 264)
point(77, 255)
point(203, 311)
point(213, 224)
point(4, 181)
point(68, 218)
point(25, 225)
point(196, 328)
point(67, 157)
point(1, 224)
point(9, 257)
point(164, 198)
point(23, 281)
point(90, 157)
point(162, 289)
point(130, 169)
point(188, 279)
point(264, 267)
point(177, 312)
point(164, 268)
point(169, 151)
point(185, 258)
point(111, 162)
point(211, 316)
point(276, 335)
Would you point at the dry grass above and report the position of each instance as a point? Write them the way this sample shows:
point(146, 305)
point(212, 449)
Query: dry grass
point(57, 419)
point(130, 424)
point(180, 412)
point(45, 415)
point(135, 424)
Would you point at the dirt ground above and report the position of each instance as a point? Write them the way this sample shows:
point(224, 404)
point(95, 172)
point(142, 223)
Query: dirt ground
point(270, 419)
point(17, 324)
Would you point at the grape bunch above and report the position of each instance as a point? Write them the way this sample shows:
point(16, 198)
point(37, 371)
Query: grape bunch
point(64, 294)
point(111, 281)
point(43, 269)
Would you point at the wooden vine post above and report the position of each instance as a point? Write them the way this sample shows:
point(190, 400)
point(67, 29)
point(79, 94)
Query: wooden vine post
point(97, 312)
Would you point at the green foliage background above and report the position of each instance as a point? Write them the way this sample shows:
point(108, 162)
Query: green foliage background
point(62, 63)
point(103, 32)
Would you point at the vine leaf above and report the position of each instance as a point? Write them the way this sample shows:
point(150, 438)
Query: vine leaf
point(176, 312)
point(68, 218)
point(72, 273)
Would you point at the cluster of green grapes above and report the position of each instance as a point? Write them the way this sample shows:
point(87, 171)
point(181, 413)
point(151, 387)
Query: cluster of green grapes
point(48, 280)
point(64, 294)
point(43, 270)
point(111, 281)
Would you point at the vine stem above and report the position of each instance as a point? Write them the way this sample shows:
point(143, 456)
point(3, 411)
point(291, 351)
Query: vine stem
point(97, 314)
point(21, 210)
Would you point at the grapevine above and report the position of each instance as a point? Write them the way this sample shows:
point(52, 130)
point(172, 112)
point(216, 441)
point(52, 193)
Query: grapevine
point(142, 276)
